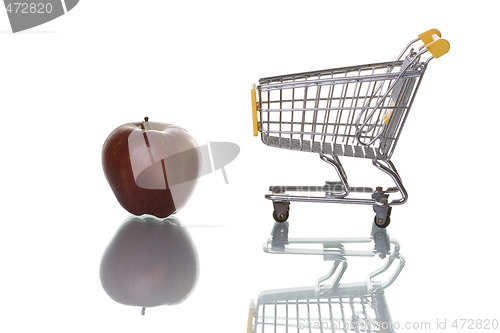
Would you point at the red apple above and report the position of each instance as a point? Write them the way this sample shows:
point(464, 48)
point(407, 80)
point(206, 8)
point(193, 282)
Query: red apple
point(150, 262)
point(151, 167)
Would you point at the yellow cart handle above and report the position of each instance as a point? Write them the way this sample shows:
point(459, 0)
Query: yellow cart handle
point(255, 106)
point(436, 45)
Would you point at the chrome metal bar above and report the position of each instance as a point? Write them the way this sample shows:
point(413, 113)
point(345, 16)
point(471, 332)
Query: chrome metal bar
point(335, 162)
point(293, 113)
point(407, 47)
point(281, 115)
point(354, 101)
point(402, 71)
point(326, 123)
point(391, 171)
point(341, 168)
point(315, 115)
point(410, 104)
point(300, 198)
point(337, 80)
point(333, 71)
point(329, 187)
point(303, 117)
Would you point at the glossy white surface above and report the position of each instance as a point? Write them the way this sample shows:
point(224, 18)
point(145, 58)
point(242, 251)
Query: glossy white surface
point(65, 85)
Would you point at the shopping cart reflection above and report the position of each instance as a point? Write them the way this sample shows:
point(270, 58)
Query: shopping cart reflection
point(330, 305)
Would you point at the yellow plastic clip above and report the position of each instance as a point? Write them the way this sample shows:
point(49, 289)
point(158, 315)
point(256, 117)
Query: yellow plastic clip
point(255, 106)
point(438, 48)
point(426, 37)
point(436, 45)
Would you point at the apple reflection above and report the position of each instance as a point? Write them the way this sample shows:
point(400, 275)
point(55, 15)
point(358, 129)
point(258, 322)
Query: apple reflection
point(150, 262)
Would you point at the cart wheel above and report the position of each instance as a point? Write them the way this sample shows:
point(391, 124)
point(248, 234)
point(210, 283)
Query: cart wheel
point(379, 222)
point(281, 216)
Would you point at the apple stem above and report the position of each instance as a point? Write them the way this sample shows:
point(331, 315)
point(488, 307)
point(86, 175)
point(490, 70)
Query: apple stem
point(143, 311)
point(146, 119)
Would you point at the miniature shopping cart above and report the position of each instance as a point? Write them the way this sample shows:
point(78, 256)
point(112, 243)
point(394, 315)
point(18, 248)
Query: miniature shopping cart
point(332, 307)
point(356, 111)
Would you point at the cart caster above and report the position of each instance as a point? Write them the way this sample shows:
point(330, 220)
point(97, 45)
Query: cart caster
point(281, 211)
point(281, 217)
point(382, 215)
point(382, 209)
point(382, 222)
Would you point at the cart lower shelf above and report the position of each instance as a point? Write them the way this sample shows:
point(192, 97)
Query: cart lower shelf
point(328, 148)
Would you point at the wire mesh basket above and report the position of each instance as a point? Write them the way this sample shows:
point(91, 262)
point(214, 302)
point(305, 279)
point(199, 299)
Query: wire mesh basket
point(356, 111)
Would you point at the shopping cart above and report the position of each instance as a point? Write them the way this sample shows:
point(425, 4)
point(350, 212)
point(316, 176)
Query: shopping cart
point(356, 111)
point(332, 307)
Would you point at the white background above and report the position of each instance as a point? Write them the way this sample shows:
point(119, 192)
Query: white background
point(65, 85)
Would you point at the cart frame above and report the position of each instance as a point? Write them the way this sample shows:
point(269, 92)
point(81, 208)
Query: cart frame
point(356, 111)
